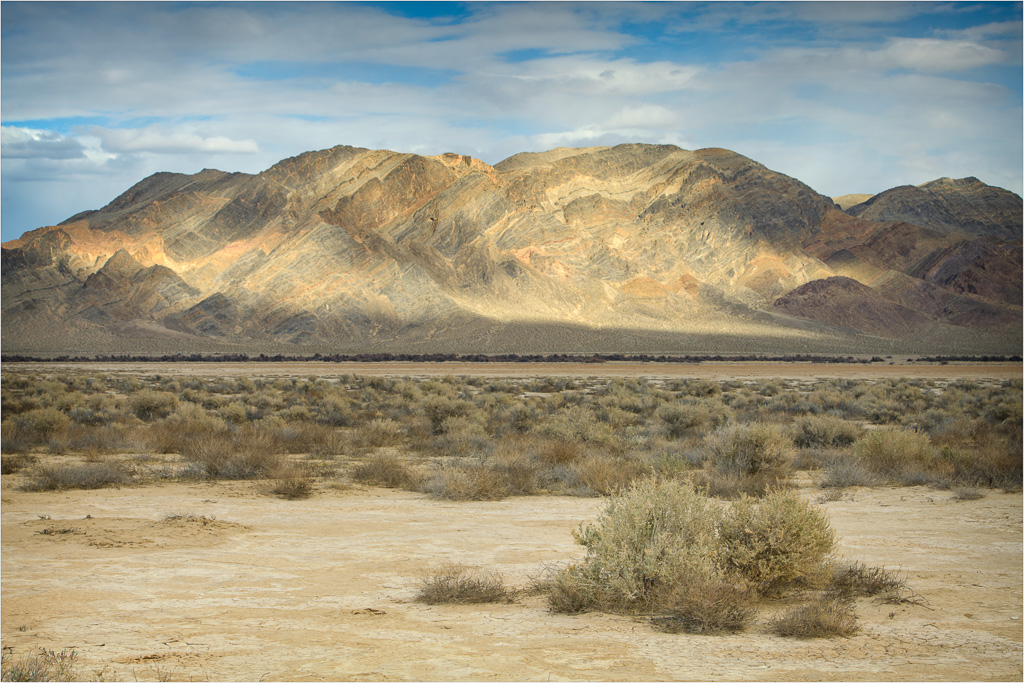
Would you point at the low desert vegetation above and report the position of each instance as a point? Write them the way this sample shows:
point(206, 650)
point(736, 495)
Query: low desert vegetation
point(485, 439)
point(665, 550)
point(44, 665)
point(453, 583)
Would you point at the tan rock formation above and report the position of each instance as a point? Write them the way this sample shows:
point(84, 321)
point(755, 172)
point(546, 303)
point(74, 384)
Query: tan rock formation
point(351, 248)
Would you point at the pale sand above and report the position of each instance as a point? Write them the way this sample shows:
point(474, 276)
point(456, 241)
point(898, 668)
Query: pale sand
point(322, 589)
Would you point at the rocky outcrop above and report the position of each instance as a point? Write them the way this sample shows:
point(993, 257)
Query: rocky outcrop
point(966, 206)
point(847, 303)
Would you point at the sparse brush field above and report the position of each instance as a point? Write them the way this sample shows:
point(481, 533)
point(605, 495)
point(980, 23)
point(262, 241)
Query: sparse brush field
point(477, 438)
point(669, 508)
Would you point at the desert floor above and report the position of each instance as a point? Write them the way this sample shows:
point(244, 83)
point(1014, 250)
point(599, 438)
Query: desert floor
point(218, 581)
point(323, 589)
point(706, 370)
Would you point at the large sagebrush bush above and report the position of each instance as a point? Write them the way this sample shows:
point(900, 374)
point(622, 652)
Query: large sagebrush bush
point(778, 541)
point(649, 538)
point(664, 549)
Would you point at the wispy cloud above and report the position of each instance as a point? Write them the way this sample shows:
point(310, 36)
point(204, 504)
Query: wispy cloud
point(848, 97)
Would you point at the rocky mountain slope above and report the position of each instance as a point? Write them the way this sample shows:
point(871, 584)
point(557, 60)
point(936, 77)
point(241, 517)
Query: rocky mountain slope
point(629, 248)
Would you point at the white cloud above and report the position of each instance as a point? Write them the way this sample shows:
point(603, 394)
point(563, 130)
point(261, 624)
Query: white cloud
point(645, 116)
point(169, 142)
point(239, 86)
point(930, 55)
point(28, 143)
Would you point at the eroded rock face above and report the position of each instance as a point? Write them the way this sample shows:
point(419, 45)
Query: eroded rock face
point(966, 206)
point(847, 303)
point(351, 248)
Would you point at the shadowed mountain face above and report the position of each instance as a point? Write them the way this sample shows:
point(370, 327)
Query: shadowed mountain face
point(628, 248)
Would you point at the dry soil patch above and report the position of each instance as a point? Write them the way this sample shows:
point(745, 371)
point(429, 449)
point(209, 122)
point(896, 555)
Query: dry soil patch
point(322, 589)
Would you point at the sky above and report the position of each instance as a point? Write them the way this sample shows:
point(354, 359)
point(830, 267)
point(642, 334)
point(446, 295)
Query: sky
point(848, 97)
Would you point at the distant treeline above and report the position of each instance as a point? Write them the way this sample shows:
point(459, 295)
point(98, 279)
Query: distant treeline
point(482, 358)
point(981, 359)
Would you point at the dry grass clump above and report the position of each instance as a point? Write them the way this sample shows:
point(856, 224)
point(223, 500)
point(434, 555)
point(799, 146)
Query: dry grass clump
point(664, 549)
point(829, 615)
point(150, 405)
point(439, 409)
point(896, 455)
point(292, 485)
point(843, 469)
point(10, 464)
point(45, 665)
point(824, 432)
point(378, 433)
point(456, 584)
point(468, 479)
point(605, 474)
point(90, 475)
point(706, 604)
point(858, 579)
point(967, 493)
point(219, 456)
point(685, 419)
point(561, 452)
point(386, 470)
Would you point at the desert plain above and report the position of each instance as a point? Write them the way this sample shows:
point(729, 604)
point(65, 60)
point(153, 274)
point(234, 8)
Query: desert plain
point(216, 580)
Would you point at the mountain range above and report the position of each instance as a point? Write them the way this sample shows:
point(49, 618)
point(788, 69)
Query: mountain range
point(634, 248)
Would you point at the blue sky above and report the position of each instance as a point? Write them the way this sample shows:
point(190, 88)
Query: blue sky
point(847, 97)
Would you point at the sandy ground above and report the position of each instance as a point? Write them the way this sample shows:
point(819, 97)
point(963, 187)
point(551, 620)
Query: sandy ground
point(746, 370)
point(323, 588)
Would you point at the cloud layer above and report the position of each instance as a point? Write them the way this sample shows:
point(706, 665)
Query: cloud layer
point(848, 97)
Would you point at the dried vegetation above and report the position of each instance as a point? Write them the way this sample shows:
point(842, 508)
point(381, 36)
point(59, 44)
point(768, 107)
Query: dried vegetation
point(666, 453)
point(486, 439)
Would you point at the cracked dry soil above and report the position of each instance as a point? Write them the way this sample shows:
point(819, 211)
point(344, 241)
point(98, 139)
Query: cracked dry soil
point(244, 587)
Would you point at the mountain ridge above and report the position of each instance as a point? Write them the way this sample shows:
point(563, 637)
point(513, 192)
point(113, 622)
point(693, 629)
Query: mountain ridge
point(349, 248)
